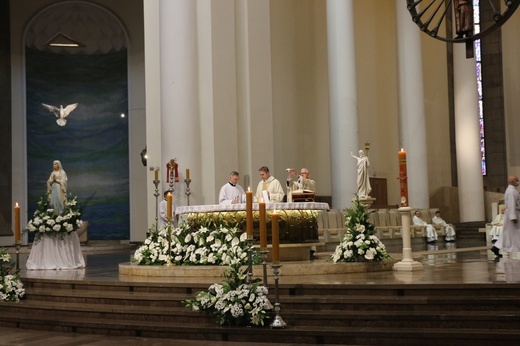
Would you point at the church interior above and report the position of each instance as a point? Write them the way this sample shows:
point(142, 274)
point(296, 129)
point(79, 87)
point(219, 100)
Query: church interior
point(136, 97)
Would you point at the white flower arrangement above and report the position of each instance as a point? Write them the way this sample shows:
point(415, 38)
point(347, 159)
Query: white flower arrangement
point(359, 242)
point(47, 221)
point(236, 302)
point(204, 246)
point(11, 287)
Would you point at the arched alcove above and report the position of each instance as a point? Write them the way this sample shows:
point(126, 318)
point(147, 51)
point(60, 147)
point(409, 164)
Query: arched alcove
point(76, 52)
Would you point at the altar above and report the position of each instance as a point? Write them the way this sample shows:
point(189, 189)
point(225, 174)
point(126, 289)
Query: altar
point(298, 221)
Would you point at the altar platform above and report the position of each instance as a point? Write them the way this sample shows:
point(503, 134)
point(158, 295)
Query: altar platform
point(461, 297)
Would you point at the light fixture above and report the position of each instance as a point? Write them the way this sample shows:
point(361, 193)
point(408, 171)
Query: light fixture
point(144, 157)
point(62, 40)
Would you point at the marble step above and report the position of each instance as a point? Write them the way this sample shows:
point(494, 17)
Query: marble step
point(292, 334)
point(435, 316)
point(294, 302)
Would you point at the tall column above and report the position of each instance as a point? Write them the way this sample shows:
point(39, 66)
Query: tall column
point(152, 49)
point(342, 100)
point(412, 124)
point(180, 133)
point(467, 137)
point(254, 89)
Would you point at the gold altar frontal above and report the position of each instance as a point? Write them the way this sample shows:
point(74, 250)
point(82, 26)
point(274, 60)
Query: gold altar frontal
point(298, 222)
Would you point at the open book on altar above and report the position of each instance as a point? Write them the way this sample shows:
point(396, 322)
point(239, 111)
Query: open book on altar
point(302, 196)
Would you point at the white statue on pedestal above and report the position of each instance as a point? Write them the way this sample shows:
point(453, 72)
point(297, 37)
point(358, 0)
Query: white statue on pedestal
point(363, 181)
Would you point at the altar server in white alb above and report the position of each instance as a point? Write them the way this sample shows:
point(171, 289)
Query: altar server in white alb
point(232, 193)
point(448, 229)
point(272, 187)
point(509, 241)
point(497, 225)
point(431, 233)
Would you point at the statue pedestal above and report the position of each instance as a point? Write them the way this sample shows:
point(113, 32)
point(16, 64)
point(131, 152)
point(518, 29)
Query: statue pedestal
point(407, 263)
point(368, 201)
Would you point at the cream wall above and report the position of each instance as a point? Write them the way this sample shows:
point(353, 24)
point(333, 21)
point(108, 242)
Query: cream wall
point(300, 89)
point(436, 109)
point(511, 70)
point(376, 59)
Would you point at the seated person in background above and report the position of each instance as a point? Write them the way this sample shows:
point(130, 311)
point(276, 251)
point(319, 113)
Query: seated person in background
point(231, 192)
point(431, 233)
point(302, 183)
point(163, 208)
point(497, 226)
point(272, 187)
point(449, 231)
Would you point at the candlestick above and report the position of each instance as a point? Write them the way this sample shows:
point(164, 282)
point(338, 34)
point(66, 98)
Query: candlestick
point(403, 178)
point(169, 200)
point(187, 173)
point(17, 223)
point(275, 235)
point(278, 321)
point(156, 173)
point(263, 230)
point(188, 191)
point(249, 213)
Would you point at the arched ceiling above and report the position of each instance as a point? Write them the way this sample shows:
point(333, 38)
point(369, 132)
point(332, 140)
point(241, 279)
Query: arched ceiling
point(93, 26)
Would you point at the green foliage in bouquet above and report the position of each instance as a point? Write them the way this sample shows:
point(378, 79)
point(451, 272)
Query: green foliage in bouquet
point(235, 302)
point(359, 242)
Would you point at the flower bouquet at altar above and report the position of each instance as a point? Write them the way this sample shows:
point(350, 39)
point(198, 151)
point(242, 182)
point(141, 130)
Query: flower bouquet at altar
point(11, 287)
point(46, 220)
point(235, 302)
point(185, 246)
point(360, 243)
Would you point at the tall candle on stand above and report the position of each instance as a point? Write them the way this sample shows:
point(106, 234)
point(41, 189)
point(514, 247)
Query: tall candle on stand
point(187, 173)
point(263, 226)
point(249, 213)
point(275, 234)
point(156, 173)
point(17, 223)
point(169, 200)
point(403, 178)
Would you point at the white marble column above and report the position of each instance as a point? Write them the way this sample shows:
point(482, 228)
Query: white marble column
point(467, 137)
point(342, 101)
point(180, 132)
point(152, 45)
point(412, 124)
point(254, 90)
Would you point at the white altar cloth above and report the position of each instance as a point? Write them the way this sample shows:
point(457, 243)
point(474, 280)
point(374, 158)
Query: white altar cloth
point(242, 206)
point(55, 252)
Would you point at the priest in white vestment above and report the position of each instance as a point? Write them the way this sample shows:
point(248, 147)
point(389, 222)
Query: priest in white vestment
point(448, 228)
point(496, 226)
point(510, 239)
point(272, 187)
point(302, 182)
point(431, 233)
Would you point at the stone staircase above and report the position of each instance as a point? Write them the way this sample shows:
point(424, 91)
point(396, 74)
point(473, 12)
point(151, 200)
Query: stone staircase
point(465, 314)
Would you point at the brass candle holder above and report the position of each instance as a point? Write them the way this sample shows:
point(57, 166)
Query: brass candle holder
point(278, 321)
point(263, 254)
point(187, 192)
point(17, 247)
point(156, 194)
point(249, 258)
point(169, 263)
